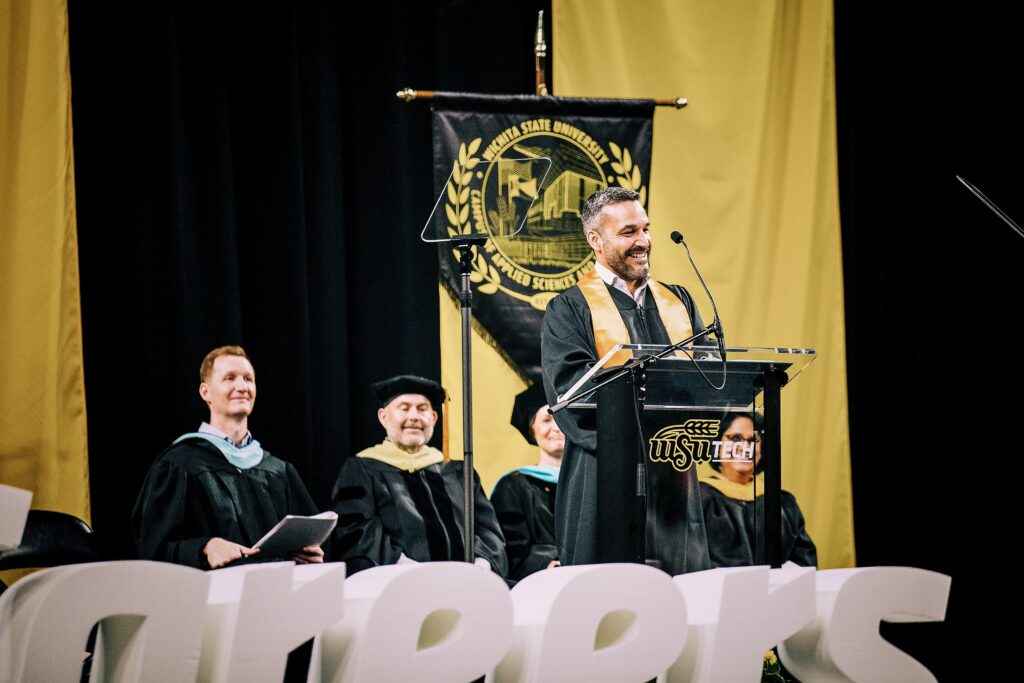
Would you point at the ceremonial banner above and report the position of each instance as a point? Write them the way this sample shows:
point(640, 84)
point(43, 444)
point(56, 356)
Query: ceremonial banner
point(481, 144)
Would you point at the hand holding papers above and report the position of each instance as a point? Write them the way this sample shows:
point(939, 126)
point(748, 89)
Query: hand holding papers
point(295, 532)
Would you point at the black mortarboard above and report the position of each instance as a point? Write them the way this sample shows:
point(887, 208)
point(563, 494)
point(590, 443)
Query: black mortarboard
point(525, 408)
point(387, 389)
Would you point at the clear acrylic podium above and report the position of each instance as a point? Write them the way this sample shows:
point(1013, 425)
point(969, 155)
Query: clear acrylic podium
point(681, 412)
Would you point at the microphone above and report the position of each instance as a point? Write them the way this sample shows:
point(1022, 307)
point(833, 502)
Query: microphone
point(715, 326)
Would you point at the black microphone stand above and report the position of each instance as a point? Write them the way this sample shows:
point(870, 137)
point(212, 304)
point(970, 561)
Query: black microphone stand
point(465, 245)
point(463, 240)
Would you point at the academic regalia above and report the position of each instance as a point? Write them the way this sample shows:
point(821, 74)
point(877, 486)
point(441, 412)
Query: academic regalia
point(386, 390)
point(675, 522)
point(389, 507)
point(729, 512)
point(524, 410)
point(192, 494)
point(525, 505)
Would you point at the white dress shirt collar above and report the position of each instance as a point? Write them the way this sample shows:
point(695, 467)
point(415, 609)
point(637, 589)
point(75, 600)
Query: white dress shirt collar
point(613, 280)
point(207, 428)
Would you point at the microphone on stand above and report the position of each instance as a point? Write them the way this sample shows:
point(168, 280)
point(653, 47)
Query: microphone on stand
point(715, 326)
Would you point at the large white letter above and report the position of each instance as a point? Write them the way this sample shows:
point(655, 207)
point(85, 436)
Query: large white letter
point(436, 621)
point(14, 504)
point(150, 615)
point(735, 615)
point(259, 613)
point(606, 622)
point(843, 643)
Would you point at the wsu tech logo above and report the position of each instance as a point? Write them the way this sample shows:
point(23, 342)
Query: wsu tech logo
point(681, 445)
point(491, 177)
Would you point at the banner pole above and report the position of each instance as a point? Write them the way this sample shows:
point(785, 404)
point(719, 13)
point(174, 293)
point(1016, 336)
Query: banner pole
point(411, 95)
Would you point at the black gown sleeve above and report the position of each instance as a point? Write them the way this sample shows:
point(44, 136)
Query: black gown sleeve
point(803, 551)
point(360, 536)
point(528, 550)
point(731, 536)
point(160, 521)
point(568, 351)
point(729, 527)
point(299, 500)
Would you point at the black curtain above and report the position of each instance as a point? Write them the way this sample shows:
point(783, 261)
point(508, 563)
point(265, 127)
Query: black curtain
point(933, 285)
point(245, 174)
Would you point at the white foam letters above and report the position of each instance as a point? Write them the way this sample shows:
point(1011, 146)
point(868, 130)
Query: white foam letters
point(14, 504)
point(453, 621)
point(737, 614)
point(436, 621)
point(149, 615)
point(843, 643)
point(259, 613)
point(608, 622)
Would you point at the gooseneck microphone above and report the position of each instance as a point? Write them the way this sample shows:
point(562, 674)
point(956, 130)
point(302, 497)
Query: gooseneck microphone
point(715, 326)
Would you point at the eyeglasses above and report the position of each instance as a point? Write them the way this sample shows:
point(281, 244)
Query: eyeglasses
point(739, 438)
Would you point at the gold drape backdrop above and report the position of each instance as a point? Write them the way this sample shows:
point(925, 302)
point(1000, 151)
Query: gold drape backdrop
point(42, 394)
point(748, 174)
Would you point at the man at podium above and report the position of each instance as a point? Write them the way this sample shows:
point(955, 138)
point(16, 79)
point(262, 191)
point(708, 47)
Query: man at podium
point(617, 302)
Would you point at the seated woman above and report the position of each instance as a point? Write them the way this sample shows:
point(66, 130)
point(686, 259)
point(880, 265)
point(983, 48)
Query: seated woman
point(730, 504)
point(524, 498)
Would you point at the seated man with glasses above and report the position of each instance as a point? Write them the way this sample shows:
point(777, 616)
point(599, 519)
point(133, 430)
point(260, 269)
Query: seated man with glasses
point(731, 506)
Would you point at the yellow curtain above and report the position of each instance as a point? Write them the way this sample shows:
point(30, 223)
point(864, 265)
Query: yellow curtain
point(747, 172)
point(42, 392)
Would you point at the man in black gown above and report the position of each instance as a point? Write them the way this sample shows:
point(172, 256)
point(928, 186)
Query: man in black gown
point(617, 302)
point(213, 493)
point(525, 497)
point(402, 500)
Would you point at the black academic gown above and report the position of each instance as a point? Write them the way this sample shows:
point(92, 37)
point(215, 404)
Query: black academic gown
point(525, 506)
point(675, 521)
point(730, 525)
point(384, 512)
point(192, 494)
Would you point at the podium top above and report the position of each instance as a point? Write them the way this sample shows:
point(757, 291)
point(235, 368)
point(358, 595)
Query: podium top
point(676, 383)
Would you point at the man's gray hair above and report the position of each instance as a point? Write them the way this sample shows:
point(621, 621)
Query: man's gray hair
point(591, 212)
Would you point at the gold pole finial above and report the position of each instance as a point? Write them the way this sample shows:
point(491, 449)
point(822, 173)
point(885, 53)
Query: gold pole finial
point(540, 48)
point(540, 52)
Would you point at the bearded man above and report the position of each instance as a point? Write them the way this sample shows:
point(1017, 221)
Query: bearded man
point(617, 302)
point(402, 500)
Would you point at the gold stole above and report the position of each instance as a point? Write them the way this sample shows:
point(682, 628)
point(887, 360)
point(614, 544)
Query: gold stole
point(609, 329)
point(734, 490)
point(391, 454)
